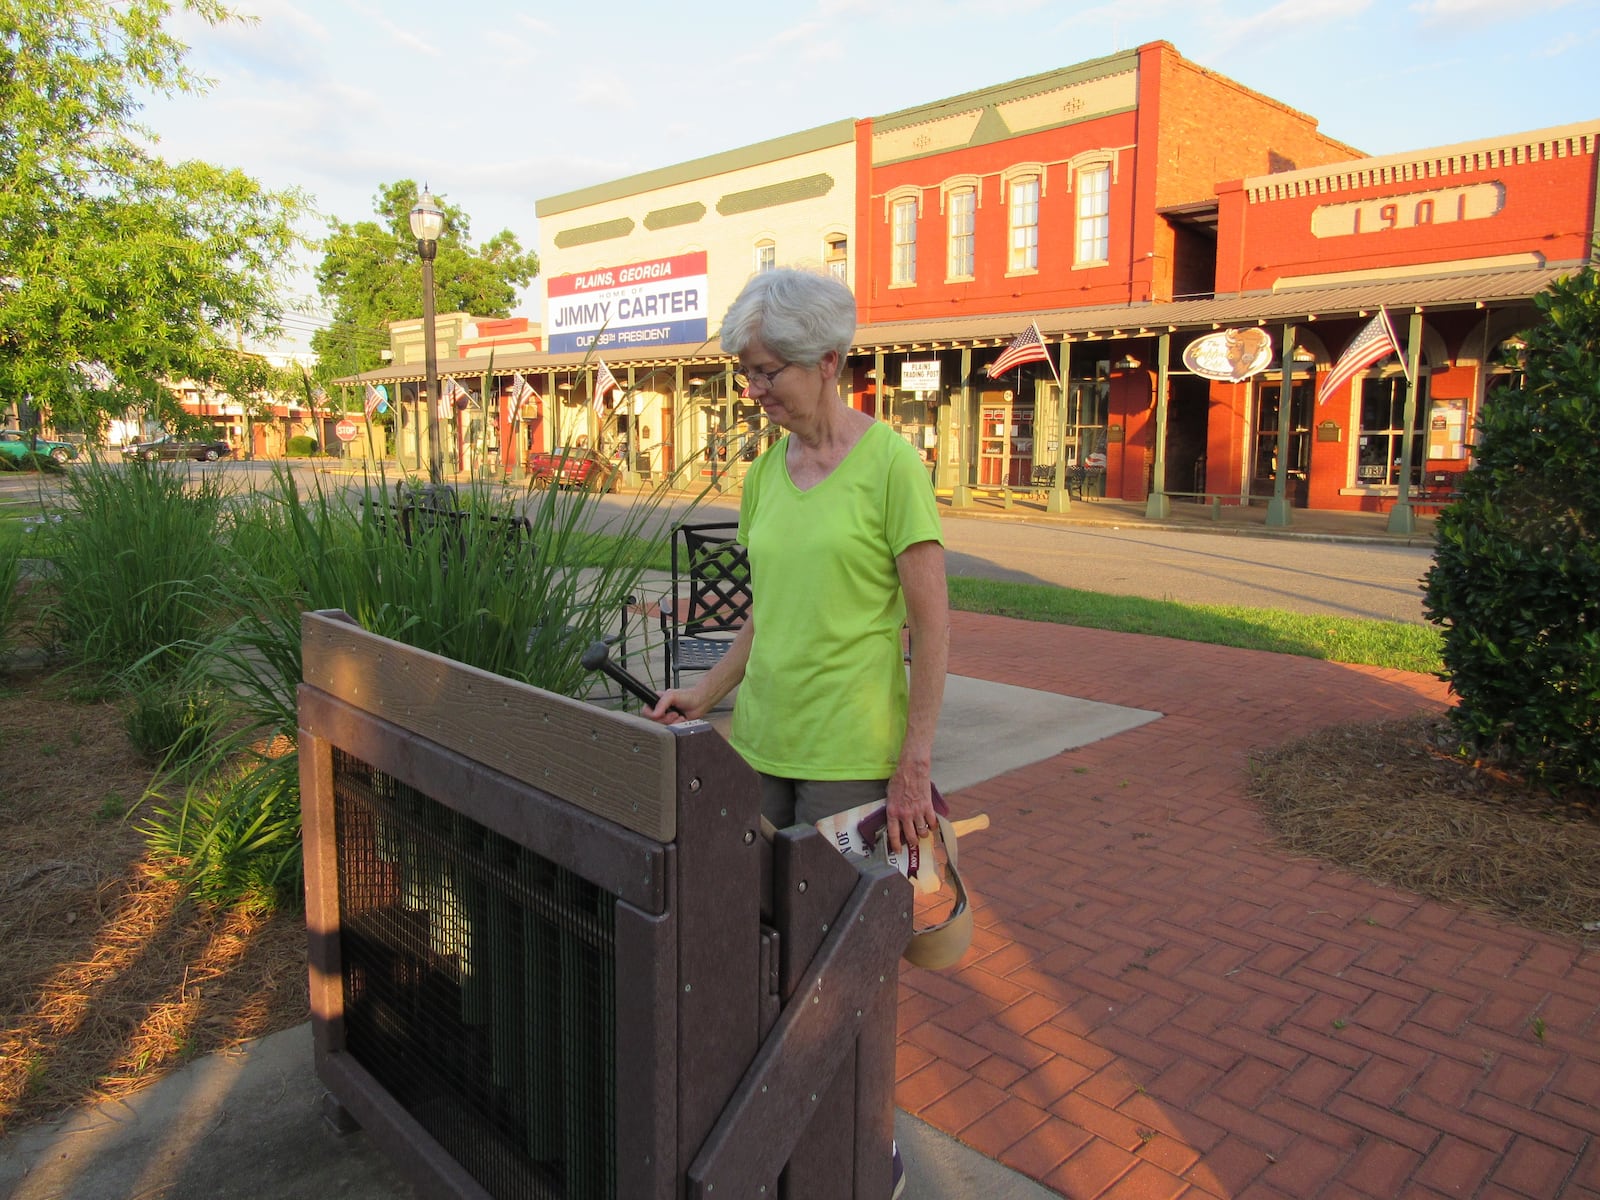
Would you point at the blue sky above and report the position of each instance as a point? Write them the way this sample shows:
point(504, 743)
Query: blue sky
point(502, 103)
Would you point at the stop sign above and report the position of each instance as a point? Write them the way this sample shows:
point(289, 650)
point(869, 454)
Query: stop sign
point(346, 431)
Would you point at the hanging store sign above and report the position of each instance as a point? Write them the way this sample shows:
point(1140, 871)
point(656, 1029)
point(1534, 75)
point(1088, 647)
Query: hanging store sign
point(638, 305)
point(1229, 355)
point(919, 375)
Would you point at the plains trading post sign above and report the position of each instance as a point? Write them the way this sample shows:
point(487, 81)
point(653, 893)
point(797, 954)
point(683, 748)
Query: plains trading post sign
point(654, 303)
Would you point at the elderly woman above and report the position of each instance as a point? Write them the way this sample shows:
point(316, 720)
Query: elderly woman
point(845, 546)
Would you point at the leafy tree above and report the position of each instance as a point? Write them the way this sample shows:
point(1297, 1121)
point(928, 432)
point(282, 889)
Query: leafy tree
point(1516, 575)
point(109, 255)
point(370, 275)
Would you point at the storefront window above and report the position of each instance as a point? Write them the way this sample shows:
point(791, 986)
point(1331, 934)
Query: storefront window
point(1081, 442)
point(1383, 431)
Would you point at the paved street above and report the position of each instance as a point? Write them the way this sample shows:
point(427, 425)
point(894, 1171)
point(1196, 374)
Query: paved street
point(1338, 564)
point(1306, 574)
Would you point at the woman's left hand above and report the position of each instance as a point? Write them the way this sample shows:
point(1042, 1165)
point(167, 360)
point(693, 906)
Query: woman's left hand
point(911, 816)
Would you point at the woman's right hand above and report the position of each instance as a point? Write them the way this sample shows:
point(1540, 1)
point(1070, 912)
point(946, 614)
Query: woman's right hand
point(675, 705)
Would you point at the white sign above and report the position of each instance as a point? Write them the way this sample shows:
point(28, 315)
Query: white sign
point(1475, 202)
point(662, 301)
point(1229, 354)
point(919, 375)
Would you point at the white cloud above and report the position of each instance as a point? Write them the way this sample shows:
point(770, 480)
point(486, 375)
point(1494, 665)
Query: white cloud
point(537, 27)
point(1286, 19)
point(1437, 14)
point(610, 95)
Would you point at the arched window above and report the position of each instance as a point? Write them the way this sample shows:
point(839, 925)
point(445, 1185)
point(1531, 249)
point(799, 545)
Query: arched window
point(961, 223)
point(766, 255)
point(1024, 187)
point(1089, 177)
point(836, 256)
point(904, 204)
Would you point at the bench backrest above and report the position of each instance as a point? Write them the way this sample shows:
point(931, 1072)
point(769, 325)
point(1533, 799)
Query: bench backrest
point(711, 573)
point(413, 518)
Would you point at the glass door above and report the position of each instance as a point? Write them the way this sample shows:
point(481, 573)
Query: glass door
point(1264, 447)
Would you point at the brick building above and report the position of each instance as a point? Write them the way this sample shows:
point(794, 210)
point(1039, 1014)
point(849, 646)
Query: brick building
point(1138, 209)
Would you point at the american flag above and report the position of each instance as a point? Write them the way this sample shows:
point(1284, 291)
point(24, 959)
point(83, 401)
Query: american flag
point(451, 394)
point(372, 399)
point(521, 392)
point(1026, 347)
point(1375, 341)
point(604, 382)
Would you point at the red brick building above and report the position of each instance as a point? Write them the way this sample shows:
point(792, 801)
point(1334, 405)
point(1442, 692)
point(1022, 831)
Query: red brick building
point(1136, 205)
point(1152, 219)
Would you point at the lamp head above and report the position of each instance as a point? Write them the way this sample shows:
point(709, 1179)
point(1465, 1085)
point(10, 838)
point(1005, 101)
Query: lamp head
point(427, 218)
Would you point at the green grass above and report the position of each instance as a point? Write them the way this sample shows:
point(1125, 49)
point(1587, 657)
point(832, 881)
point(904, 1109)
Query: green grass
point(1391, 644)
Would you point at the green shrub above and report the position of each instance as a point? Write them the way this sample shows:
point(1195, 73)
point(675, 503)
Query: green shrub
point(171, 721)
point(1515, 583)
point(301, 446)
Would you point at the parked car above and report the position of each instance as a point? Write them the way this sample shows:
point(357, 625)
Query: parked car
point(16, 444)
point(576, 466)
point(199, 449)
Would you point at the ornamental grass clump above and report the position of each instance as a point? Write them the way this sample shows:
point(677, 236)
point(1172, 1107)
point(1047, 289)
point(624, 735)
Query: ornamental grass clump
point(523, 605)
point(10, 591)
point(1515, 584)
point(137, 563)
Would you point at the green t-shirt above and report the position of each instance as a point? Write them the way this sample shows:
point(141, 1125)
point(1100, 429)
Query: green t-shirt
point(824, 693)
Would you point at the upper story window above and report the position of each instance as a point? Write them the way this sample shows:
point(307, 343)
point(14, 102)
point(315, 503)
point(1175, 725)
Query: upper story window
point(836, 256)
point(961, 216)
point(903, 232)
point(766, 255)
point(1024, 209)
point(1093, 186)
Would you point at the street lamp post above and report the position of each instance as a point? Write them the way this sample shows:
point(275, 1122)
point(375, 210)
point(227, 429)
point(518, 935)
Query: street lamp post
point(427, 223)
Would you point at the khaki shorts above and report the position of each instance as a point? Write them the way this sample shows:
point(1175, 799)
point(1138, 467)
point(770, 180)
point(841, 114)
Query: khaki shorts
point(787, 802)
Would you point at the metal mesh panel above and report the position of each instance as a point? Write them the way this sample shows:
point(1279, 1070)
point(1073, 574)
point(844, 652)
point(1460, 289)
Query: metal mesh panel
point(479, 989)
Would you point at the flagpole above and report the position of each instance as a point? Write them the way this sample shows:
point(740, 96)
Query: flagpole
point(1060, 498)
point(1048, 360)
point(1402, 518)
point(1280, 509)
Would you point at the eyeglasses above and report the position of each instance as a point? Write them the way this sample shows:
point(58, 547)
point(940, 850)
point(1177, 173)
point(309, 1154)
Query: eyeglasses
point(744, 379)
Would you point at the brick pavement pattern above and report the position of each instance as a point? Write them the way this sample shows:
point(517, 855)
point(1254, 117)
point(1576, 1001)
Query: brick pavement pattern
point(1162, 1002)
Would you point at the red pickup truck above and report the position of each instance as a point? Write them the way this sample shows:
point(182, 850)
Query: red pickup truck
point(574, 466)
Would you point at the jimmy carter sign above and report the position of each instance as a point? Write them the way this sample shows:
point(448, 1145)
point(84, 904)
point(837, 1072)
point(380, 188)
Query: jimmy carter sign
point(654, 303)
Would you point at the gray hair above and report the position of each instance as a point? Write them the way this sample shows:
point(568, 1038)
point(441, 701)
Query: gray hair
point(799, 315)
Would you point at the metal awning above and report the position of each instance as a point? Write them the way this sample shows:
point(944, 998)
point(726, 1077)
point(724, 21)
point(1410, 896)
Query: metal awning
point(1287, 303)
point(1256, 308)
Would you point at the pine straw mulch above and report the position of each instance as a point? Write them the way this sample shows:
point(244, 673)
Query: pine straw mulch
point(108, 975)
point(1395, 803)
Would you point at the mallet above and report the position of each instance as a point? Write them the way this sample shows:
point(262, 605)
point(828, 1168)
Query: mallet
point(598, 658)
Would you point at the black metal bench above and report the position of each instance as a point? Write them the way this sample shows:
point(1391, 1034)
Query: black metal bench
point(1044, 478)
point(424, 513)
point(709, 600)
point(1438, 492)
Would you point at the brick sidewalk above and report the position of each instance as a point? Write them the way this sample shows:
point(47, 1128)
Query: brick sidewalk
point(1160, 1002)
